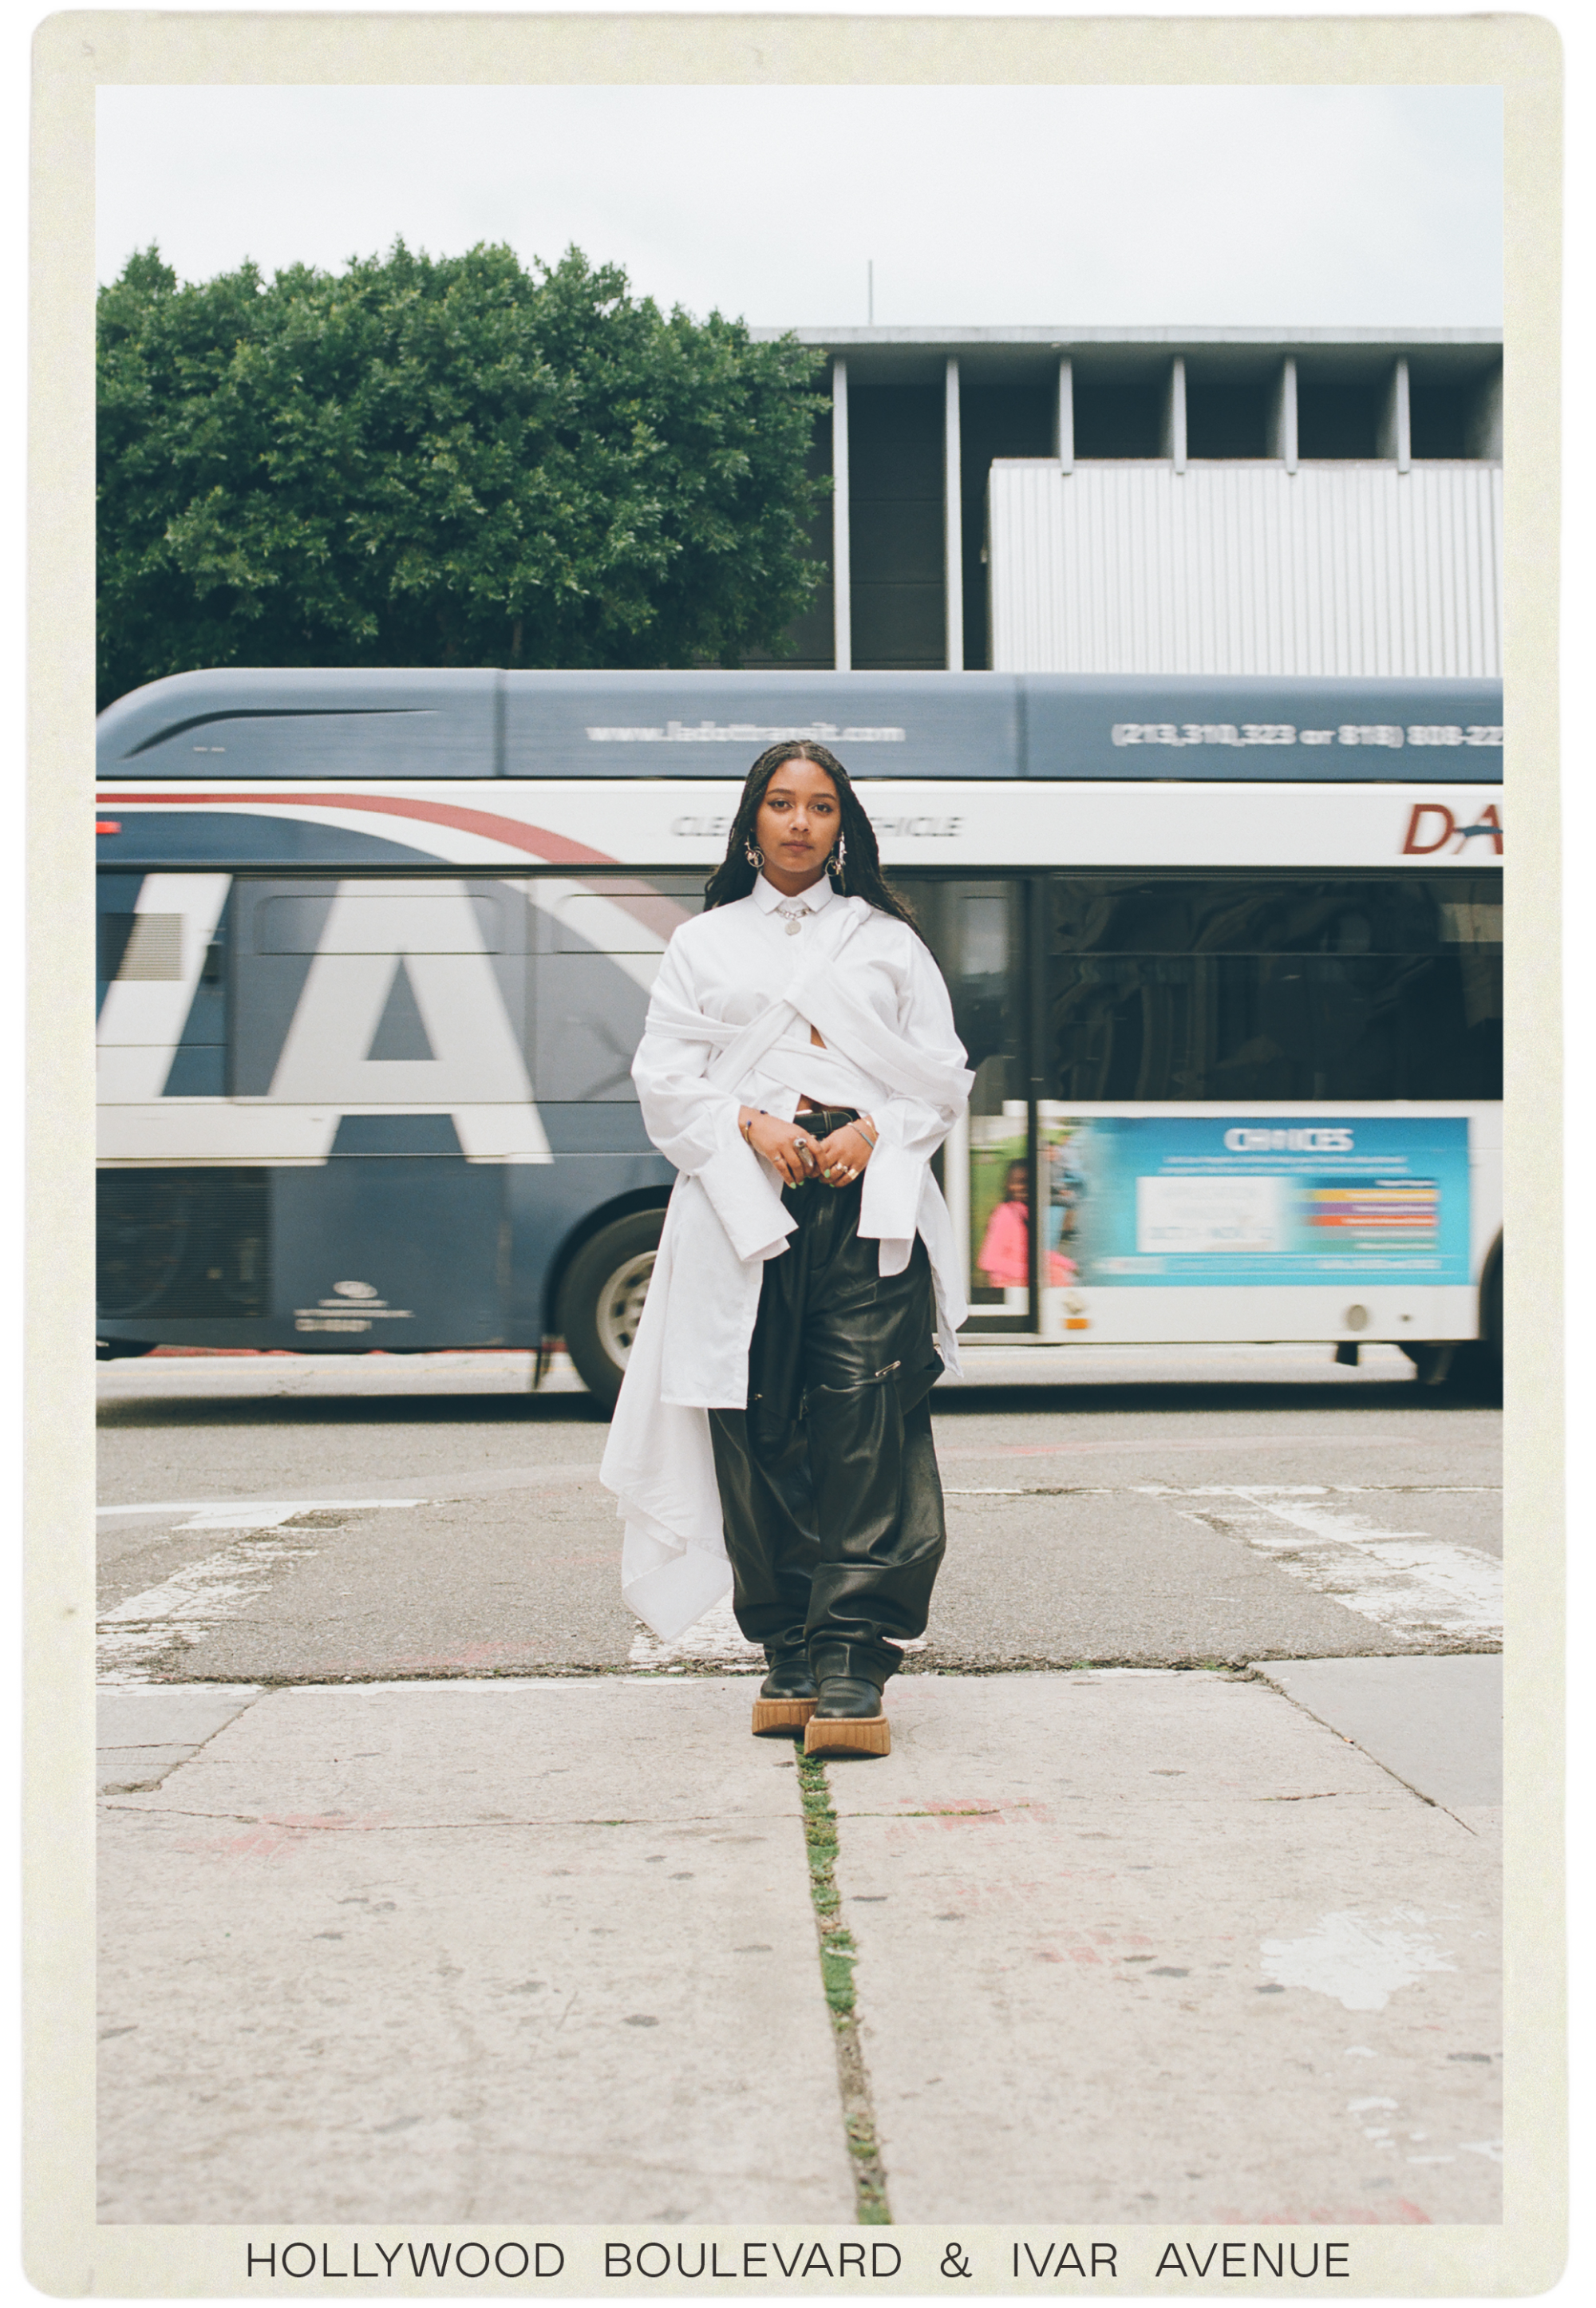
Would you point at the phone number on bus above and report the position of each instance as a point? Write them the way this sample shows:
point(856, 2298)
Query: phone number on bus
point(1391, 734)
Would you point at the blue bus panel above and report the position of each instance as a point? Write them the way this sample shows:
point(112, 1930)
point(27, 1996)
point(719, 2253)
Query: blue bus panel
point(243, 723)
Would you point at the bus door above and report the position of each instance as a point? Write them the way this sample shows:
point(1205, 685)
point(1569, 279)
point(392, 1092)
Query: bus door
point(978, 931)
point(1265, 1096)
point(1224, 1105)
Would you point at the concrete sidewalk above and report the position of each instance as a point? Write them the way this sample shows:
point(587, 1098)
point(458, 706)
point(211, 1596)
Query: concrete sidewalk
point(1130, 1946)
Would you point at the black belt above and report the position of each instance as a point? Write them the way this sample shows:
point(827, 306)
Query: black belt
point(820, 1120)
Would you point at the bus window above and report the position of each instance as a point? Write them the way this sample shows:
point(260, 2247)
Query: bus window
point(1246, 987)
point(161, 986)
point(625, 916)
point(600, 943)
point(390, 921)
point(333, 978)
point(128, 945)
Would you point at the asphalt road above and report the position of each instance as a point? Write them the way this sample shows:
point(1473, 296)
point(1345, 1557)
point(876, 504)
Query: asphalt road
point(300, 1519)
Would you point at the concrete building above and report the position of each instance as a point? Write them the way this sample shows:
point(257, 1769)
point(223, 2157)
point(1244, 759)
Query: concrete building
point(1222, 501)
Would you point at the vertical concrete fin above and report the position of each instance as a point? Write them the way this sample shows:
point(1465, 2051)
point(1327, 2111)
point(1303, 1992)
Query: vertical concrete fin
point(952, 530)
point(1173, 440)
point(1283, 417)
point(841, 587)
point(1396, 431)
point(1063, 416)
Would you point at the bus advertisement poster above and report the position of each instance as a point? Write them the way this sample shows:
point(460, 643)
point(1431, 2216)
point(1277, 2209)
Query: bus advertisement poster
point(1223, 1199)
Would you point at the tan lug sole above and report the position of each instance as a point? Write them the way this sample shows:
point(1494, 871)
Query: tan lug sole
point(782, 1718)
point(848, 1735)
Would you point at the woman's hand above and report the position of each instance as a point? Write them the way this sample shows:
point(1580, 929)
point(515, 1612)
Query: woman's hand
point(789, 1149)
point(846, 1152)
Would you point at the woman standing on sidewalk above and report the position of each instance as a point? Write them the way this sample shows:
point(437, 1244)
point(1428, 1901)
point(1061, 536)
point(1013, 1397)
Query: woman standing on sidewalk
point(800, 1068)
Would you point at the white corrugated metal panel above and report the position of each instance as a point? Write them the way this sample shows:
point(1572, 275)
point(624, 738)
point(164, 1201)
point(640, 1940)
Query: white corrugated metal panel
point(1245, 568)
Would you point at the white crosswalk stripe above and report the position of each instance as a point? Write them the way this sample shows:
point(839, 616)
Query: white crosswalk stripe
point(1402, 1579)
point(183, 1608)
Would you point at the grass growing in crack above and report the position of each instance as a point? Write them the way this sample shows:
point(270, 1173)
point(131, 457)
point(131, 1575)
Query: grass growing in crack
point(838, 1955)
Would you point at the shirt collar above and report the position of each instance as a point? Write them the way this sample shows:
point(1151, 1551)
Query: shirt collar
point(767, 898)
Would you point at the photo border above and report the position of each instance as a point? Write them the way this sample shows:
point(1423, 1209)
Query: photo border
point(77, 52)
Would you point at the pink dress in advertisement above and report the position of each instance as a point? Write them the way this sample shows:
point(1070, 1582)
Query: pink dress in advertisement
point(1005, 1253)
point(1005, 1256)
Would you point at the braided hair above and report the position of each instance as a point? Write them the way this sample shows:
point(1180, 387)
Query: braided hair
point(734, 877)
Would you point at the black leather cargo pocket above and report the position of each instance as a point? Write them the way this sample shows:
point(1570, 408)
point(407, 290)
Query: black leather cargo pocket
point(914, 1381)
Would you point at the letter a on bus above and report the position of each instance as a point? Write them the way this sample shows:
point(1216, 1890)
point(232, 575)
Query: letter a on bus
point(476, 1071)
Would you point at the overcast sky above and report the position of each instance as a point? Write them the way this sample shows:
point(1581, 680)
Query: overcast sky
point(979, 206)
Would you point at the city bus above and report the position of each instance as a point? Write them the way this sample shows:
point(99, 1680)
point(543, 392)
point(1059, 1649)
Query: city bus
point(374, 952)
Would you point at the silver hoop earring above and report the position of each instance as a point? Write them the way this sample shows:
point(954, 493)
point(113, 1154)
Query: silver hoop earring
point(838, 860)
point(755, 855)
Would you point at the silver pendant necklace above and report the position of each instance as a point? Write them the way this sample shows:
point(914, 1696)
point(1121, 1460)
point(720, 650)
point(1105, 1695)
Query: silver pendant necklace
point(792, 914)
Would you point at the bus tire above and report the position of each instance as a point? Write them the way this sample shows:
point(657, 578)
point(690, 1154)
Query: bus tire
point(1477, 1371)
point(1469, 1368)
point(1460, 1368)
point(601, 1297)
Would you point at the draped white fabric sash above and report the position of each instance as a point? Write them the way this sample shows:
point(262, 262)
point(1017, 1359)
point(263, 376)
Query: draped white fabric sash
point(740, 1048)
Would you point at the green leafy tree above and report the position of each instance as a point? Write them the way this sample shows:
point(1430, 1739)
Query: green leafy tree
point(441, 462)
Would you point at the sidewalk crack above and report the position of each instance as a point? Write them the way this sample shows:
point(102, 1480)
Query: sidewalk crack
point(838, 1956)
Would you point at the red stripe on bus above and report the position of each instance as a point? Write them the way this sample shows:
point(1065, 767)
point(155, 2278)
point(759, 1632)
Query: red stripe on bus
point(554, 848)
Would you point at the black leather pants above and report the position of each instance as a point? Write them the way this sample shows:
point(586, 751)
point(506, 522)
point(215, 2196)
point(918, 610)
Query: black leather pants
point(828, 1479)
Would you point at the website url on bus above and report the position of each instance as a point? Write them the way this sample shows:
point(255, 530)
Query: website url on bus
point(741, 733)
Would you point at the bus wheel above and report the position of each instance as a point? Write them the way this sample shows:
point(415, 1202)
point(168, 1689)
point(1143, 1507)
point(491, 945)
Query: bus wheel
point(1469, 1368)
point(601, 1299)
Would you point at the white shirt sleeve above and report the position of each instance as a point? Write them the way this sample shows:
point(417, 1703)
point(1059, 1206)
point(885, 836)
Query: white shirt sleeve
point(695, 1124)
point(910, 1128)
point(689, 1120)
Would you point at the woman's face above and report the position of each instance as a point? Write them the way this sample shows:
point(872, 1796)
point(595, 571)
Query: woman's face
point(798, 824)
point(1016, 1181)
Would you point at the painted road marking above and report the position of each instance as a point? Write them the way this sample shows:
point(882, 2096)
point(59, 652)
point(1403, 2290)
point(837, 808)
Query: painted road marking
point(716, 1641)
point(420, 1494)
point(185, 1607)
point(1130, 1448)
point(1402, 1578)
point(1206, 1490)
point(249, 1514)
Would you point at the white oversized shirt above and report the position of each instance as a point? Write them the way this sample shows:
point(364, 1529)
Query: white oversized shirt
point(728, 1026)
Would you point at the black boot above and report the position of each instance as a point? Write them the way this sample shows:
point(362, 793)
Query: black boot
point(848, 1719)
point(786, 1698)
point(789, 1676)
point(849, 1698)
